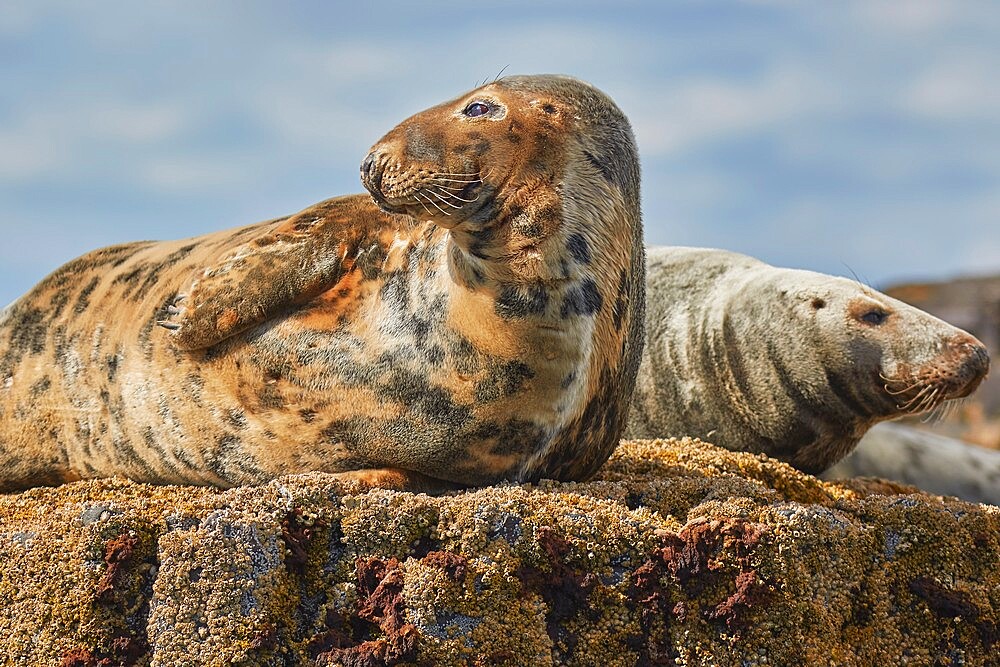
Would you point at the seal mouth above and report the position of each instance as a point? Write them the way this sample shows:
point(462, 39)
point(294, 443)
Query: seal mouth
point(932, 387)
point(439, 195)
point(384, 204)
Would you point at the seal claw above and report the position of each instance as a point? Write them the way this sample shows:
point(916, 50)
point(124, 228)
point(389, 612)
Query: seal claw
point(167, 324)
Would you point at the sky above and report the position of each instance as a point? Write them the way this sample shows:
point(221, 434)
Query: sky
point(854, 138)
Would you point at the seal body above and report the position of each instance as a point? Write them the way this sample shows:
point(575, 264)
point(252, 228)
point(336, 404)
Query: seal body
point(478, 317)
point(793, 364)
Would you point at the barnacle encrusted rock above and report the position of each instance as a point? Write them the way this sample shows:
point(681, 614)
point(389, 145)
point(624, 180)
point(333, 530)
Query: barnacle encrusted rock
point(677, 553)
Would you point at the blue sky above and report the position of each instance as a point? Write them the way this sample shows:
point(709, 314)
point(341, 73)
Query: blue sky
point(842, 137)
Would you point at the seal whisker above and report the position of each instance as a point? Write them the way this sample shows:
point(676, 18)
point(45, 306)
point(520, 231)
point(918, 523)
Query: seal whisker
point(440, 198)
point(454, 196)
point(450, 187)
point(431, 202)
point(897, 392)
point(424, 207)
point(455, 180)
point(927, 402)
point(914, 399)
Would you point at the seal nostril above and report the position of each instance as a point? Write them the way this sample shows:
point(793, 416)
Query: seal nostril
point(366, 166)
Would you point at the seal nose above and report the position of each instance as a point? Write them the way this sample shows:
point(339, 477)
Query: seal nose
point(366, 166)
point(975, 360)
point(370, 176)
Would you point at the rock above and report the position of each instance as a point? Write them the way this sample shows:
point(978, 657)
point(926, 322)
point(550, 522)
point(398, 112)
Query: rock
point(677, 553)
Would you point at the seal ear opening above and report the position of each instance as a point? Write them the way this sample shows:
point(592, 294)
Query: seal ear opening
point(818, 303)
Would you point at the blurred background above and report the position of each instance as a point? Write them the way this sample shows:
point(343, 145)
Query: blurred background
point(855, 138)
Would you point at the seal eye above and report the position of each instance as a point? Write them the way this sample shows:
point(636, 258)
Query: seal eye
point(875, 317)
point(476, 109)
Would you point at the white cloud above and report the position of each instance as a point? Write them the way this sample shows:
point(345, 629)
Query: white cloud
point(192, 174)
point(51, 138)
point(959, 88)
point(27, 153)
point(678, 117)
point(908, 17)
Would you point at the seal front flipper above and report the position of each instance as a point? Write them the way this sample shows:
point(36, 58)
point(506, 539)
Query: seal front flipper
point(285, 266)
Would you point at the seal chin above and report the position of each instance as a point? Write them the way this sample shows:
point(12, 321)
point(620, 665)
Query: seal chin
point(384, 204)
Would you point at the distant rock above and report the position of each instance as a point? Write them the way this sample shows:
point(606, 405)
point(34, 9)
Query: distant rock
point(678, 553)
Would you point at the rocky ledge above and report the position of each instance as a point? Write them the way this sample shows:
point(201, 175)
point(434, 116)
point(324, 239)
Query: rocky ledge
point(678, 553)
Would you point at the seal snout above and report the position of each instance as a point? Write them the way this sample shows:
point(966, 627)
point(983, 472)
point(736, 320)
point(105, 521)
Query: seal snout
point(973, 362)
point(371, 175)
point(372, 172)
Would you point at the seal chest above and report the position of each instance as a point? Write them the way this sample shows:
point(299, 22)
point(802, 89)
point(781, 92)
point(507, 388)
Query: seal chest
point(793, 364)
point(478, 317)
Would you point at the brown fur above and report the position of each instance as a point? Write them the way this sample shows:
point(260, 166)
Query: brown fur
point(489, 331)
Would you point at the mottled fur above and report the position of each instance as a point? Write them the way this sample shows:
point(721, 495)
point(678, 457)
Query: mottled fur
point(500, 341)
point(794, 364)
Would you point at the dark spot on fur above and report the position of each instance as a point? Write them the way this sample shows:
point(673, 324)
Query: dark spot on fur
point(621, 300)
point(415, 392)
point(422, 148)
point(568, 380)
point(582, 299)
point(527, 227)
point(370, 262)
point(502, 381)
point(516, 437)
point(514, 302)
point(27, 329)
point(237, 419)
point(601, 165)
point(227, 455)
point(40, 387)
point(179, 254)
point(847, 393)
point(269, 397)
point(395, 290)
point(579, 248)
point(308, 416)
point(487, 212)
point(58, 301)
point(434, 355)
point(83, 299)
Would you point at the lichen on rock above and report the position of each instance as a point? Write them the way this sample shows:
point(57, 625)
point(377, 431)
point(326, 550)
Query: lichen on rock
point(676, 553)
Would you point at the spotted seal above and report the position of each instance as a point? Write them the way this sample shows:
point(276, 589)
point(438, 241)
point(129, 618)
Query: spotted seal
point(793, 364)
point(476, 317)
